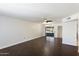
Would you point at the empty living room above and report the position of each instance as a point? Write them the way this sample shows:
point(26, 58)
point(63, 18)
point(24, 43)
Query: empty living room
point(39, 29)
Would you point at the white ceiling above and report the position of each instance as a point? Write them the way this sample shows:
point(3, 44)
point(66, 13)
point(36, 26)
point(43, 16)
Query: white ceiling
point(35, 11)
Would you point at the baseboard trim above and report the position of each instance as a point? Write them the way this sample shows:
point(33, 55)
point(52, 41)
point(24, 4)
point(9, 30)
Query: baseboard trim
point(19, 43)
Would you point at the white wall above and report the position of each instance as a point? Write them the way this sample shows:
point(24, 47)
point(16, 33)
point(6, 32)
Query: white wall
point(43, 29)
point(14, 31)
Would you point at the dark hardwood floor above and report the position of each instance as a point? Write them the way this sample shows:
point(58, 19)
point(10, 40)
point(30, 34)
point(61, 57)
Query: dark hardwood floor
point(40, 47)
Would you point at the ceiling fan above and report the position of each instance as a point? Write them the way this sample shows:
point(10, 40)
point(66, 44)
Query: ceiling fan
point(47, 20)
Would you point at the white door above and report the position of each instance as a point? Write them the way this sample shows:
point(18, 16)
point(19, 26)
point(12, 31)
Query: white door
point(69, 33)
point(59, 32)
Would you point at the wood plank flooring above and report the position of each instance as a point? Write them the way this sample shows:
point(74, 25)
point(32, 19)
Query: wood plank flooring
point(40, 47)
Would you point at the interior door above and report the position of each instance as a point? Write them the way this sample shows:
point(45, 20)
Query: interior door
point(70, 33)
point(70, 38)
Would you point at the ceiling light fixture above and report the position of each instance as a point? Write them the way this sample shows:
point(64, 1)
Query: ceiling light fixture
point(46, 21)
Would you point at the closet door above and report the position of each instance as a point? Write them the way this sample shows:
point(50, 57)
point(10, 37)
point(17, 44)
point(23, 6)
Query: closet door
point(70, 33)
